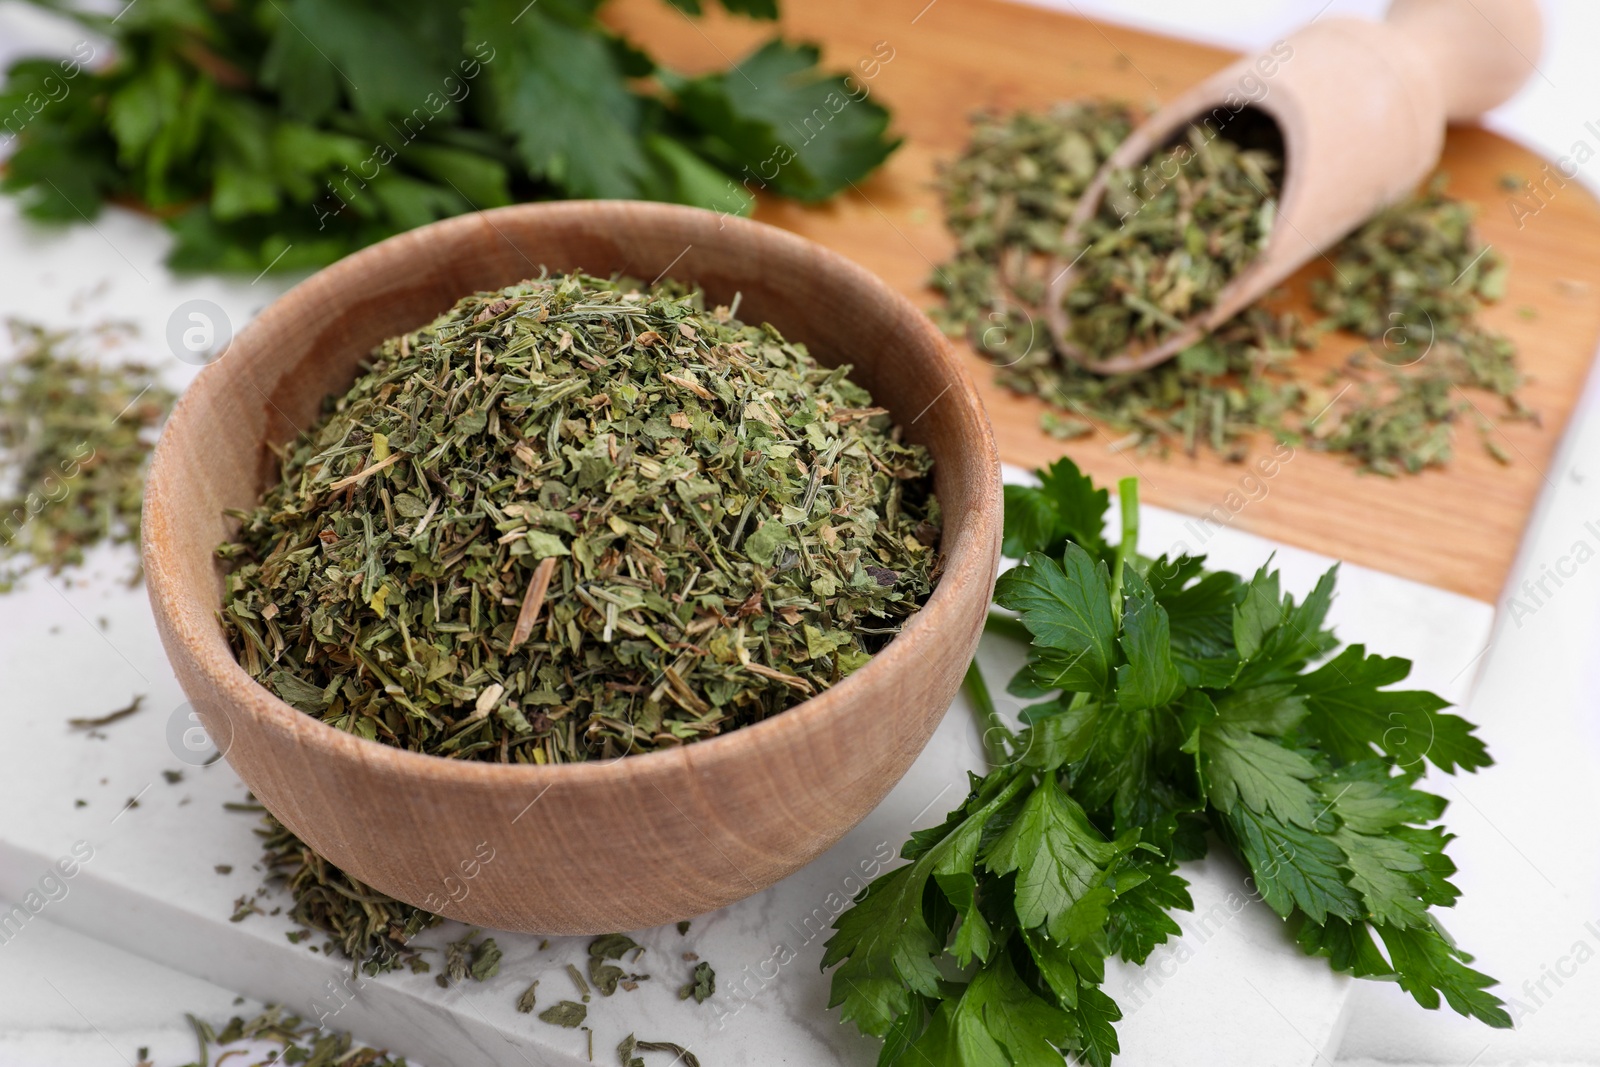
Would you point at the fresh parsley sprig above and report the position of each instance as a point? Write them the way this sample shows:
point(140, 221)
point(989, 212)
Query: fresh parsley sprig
point(1176, 705)
point(283, 134)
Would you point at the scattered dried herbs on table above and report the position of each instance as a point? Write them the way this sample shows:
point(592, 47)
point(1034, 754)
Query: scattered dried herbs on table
point(75, 432)
point(126, 711)
point(1411, 280)
point(372, 930)
point(529, 998)
point(603, 971)
point(631, 1044)
point(297, 1041)
point(469, 957)
point(570, 520)
point(568, 1014)
point(291, 1039)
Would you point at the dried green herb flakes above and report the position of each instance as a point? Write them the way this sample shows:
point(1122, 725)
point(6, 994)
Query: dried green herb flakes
point(369, 928)
point(299, 1041)
point(631, 1044)
point(568, 1013)
point(1160, 249)
point(702, 984)
point(1411, 280)
point(1008, 199)
point(571, 520)
point(75, 432)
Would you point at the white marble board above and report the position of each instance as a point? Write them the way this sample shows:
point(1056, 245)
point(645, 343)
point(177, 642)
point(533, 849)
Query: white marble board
point(85, 646)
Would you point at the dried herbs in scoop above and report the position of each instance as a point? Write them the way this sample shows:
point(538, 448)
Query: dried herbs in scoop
point(1165, 241)
point(573, 519)
point(1405, 290)
point(1007, 202)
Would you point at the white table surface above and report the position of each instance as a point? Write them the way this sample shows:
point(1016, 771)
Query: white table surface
point(1530, 868)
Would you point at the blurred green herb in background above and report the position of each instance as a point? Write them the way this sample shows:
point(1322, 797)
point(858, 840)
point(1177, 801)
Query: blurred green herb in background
point(286, 134)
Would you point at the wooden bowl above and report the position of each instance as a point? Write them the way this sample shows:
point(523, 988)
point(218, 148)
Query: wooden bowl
point(590, 847)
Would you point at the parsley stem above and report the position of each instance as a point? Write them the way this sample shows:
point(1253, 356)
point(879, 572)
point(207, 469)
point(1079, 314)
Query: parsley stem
point(996, 736)
point(1128, 497)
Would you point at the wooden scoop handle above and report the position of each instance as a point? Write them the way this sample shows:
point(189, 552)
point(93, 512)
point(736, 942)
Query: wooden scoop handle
point(1481, 51)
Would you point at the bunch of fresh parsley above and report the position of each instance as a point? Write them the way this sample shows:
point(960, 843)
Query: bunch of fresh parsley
point(1177, 705)
point(286, 133)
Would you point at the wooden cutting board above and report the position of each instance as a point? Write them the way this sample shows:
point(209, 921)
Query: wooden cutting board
point(1456, 528)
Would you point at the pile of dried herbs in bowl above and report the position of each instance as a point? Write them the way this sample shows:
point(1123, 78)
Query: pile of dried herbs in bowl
point(1405, 289)
point(577, 519)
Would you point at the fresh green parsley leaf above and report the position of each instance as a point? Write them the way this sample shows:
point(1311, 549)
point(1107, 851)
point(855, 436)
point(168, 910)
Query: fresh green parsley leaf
point(1065, 506)
point(358, 53)
point(1148, 679)
point(998, 1019)
point(1352, 715)
point(1058, 858)
point(1265, 709)
point(1097, 1016)
point(1348, 946)
point(559, 90)
point(1275, 636)
point(756, 9)
point(1058, 732)
point(886, 941)
point(1067, 607)
point(1242, 767)
point(1140, 918)
point(1386, 873)
point(1293, 867)
point(1369, 800)
point(1199, 617)
point(887, 949)
point(1427, 963)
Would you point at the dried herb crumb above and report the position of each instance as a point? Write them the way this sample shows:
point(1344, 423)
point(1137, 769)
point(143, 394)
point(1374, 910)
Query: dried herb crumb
point(525, 1002)
point(299, 1041)
point(605, 975)
point(131, 708)
point(469, 957)
point(629, 1045)
point(701, 986)
point(567, 1013)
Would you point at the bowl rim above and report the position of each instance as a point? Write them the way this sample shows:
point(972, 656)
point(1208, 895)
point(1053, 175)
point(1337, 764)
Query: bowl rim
point(184, 613)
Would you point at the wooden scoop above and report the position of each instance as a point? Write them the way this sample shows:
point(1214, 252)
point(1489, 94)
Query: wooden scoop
point(1359, 108)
